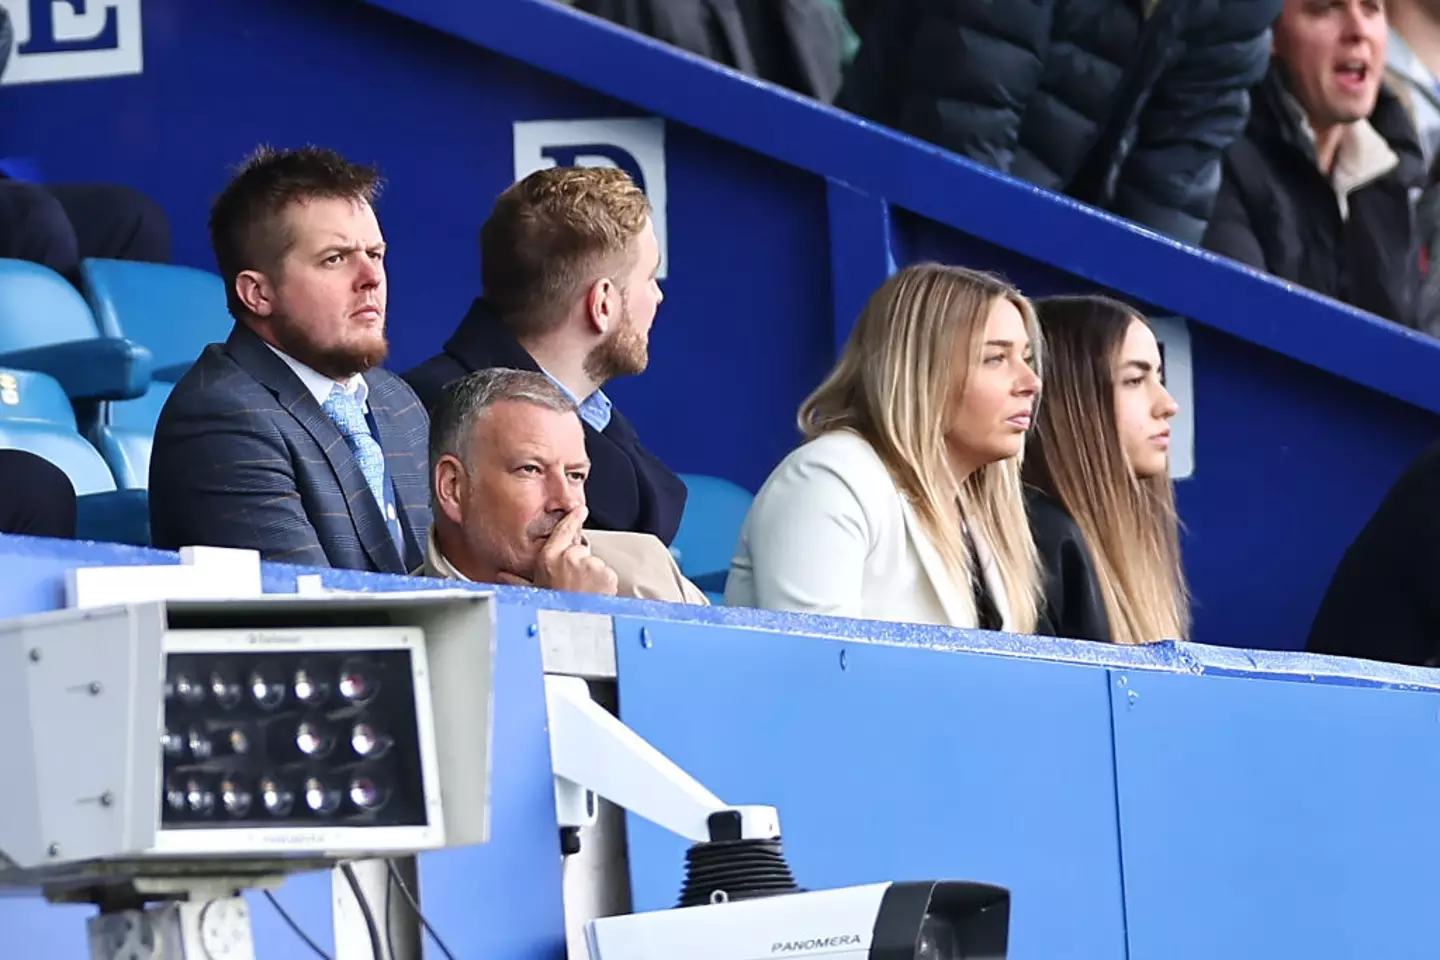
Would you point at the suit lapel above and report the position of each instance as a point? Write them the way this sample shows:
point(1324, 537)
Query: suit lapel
point(406, 459)
point(260, 362)
point(958, 611)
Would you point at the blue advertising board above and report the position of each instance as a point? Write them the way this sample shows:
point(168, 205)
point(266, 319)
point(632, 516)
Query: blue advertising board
point(778, 216)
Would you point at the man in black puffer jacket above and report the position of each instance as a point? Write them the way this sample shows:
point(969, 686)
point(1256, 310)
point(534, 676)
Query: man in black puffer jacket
point(1123, 104)
point(1321, 190)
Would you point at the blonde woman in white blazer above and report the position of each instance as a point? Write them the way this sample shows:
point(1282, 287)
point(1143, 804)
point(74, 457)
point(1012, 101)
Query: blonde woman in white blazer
point(905, 501)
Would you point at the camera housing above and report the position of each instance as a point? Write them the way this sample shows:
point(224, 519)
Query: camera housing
point(931, 920)
point(173, 740)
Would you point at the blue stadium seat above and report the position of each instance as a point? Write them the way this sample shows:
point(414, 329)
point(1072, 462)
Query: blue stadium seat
point(714, 512)
point(175, 312)
point(35, 415)
point(46, 326)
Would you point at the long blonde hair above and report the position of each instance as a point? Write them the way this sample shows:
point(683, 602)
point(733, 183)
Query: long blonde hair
point(892, 387)
point(1075, 456)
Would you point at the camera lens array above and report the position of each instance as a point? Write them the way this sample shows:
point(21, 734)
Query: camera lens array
point(286, 739)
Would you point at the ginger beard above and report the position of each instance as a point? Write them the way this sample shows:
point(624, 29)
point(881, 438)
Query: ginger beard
point(624, 353)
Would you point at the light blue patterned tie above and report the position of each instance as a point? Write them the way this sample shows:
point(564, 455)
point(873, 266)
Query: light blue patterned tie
point(345, 409)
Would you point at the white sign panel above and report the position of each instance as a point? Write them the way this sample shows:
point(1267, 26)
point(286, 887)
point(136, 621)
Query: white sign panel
point(73, 40)
point(1174, 338)
point(633, 144)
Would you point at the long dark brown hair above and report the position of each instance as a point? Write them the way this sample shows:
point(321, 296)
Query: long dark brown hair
point(1074, 454)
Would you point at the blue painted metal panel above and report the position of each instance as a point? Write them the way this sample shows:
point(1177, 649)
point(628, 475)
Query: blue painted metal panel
point(860, 254)
point(1269, 819)
point(891, 763)
point(1243, 777)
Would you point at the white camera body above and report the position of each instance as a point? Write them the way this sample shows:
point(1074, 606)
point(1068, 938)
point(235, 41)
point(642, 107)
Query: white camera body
point(834, 923)
point(881, 921)
point(575, 806)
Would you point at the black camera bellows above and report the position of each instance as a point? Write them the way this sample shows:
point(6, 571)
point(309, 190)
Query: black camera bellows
point(724, 870)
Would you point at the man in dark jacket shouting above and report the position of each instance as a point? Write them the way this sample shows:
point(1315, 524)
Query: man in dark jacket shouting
point(1123, 104)
point(1321, 189)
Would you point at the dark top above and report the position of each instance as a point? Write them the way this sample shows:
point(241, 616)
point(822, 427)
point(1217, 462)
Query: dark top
point(795, 43)
point(629, 488)
point(1074, 606)
point(37, 499)
point(1092, 98)
point(1277, 212)
point(1383, 602)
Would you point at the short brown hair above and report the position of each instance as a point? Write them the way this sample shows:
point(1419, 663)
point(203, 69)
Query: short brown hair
point(548, 239)
point(246, 229)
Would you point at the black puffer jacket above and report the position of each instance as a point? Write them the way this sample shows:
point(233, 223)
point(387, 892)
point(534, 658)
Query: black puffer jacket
point(7, 39)
point(1278, 213)
point(793, 43)
point(1087, 97)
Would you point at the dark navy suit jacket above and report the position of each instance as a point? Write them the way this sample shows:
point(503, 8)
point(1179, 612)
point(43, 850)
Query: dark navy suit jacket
point(629, 488)
point(245, 457)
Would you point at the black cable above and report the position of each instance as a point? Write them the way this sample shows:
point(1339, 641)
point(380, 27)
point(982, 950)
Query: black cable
point(377, 950)
point(204, 914)
point(389, 889)
point(415, 905)
point(289, 921)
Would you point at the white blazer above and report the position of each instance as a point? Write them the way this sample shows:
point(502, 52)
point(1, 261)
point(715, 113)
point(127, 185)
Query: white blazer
point(829, 533)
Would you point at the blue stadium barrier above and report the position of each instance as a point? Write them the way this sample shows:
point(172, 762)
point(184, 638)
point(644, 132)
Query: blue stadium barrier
point(1176, 801)
point(779, 216)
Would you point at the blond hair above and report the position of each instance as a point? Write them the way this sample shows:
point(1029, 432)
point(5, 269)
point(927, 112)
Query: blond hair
point(551, 236)
point(892, 387)
point(1075, 456)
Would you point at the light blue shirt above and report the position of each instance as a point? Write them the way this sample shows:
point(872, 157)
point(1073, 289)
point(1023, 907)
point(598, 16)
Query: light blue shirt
point(594, 409)
point(320, 385)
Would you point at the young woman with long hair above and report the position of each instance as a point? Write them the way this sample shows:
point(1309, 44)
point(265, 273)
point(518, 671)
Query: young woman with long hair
point(905, 501)
point(1102, 505)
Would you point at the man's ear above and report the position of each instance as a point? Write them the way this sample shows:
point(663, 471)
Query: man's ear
point(450, 484)
point(602, 306)
point(255, 292)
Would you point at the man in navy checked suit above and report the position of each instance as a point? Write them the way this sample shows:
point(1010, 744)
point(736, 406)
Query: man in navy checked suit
point(288, 438)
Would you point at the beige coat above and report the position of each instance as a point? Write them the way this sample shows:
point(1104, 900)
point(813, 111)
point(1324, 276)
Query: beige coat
point(645, 569)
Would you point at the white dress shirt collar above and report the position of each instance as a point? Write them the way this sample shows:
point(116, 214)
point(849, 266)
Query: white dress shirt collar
point(320, 386)
point(437, 564)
